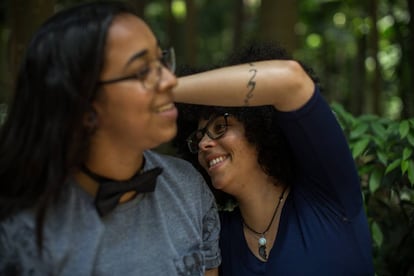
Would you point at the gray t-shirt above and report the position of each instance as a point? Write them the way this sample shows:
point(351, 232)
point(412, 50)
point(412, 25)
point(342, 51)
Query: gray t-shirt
point(172, 231)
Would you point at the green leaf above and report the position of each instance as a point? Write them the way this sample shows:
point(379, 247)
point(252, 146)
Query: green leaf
point(358, 131)
point(382, 157)
point(407, 153)
point(410, 172)
point(393, 165)
point(378, 129)
point(412, 122)
point(375, 180)
point(368, 117)
point(393, 128)
point(404, 166)
point(410, 138)
point(404, 128)
point(359, 147)
point(345, 119)
point(379, 141)
point(377, 235)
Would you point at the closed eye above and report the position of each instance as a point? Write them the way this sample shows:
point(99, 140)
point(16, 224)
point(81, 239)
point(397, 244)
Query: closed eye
point(143, 72)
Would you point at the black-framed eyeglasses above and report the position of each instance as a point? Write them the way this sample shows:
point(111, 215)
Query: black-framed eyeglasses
point(215, 128)
point(150, 76)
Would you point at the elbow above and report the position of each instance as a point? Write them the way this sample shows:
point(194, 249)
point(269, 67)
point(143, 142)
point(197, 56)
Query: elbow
point(299, 89)
point(301, 81)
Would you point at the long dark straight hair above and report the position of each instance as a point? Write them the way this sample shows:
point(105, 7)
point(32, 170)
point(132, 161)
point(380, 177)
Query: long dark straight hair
point(43, 137)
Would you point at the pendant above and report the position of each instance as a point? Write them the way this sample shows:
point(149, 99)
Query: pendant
point(262, 247)
point(262, 251)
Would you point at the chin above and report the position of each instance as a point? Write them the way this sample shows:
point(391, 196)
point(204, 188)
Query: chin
point(218, 185)
point(167, 135)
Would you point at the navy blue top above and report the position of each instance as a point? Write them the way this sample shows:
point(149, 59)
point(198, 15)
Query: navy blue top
point(323, 228)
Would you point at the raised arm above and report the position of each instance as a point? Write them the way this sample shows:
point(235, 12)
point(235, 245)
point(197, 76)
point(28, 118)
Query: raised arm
point(281, 83)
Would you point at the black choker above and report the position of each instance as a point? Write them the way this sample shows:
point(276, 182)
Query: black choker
point(261, 235)
point(110, 191)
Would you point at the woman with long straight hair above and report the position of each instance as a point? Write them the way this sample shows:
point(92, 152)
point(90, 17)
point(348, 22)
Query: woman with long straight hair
point(81, 192)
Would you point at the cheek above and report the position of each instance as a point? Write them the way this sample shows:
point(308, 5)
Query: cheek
point(123, 110)
point(237, 144)
point(202, 162)
point(127, 101)
point(233, 141)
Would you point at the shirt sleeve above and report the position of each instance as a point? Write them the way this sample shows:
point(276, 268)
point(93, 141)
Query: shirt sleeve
point(9, 262)
point(19, 254)
point(322, 154)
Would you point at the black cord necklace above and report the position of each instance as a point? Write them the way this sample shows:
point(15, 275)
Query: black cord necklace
point(262, 240)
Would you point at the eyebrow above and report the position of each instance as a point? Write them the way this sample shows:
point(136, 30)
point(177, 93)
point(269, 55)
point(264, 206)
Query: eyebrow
point(136, 56)
point(209, 120)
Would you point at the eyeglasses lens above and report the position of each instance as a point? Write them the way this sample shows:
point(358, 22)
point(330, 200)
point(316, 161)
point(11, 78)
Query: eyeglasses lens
point(168, 59)
point(215, 128)
point(153, 78)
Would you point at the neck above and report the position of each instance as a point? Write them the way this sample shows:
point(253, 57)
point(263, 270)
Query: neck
point(109, 157)
point(108, 166)
point(116, 164)
point(86, 183)
point(260, 237)
point(258, 209)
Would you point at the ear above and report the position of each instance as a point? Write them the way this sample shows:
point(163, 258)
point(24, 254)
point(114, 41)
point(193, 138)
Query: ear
point(90, 120)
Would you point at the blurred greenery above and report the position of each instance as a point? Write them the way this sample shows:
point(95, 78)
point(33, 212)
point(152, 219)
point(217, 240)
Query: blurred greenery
point(383, 151)
point(363, 52)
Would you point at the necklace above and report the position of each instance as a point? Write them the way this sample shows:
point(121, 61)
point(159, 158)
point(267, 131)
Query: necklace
point(262, 239)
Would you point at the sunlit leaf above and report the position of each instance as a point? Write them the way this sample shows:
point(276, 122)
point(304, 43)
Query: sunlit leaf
point(404, 128)
point(382, 157)
point(410, 138)
point(378, 129)
point(343, 116)
point(375, 180)
point(359, 147)
point(360, 129)
point(410, 172)
point(411, 122)
point(393, 165)
point(377, 234)
point(407, 153)
point(404, 166)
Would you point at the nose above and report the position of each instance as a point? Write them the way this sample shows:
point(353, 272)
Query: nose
point(168, 80)
point(206, 142)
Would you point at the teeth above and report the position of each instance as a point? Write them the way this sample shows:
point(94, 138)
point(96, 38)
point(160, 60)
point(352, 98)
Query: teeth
point(216, 161)
point(165, 107)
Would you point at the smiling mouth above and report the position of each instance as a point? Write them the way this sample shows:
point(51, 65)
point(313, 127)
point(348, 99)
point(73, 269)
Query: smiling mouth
point(165, 107)
point(216, 161)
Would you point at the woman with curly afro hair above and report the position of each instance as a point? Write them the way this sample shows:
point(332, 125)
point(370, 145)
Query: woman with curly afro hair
point(260, 131)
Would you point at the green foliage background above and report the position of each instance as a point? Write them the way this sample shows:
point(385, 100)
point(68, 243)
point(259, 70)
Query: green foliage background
point(383, 150)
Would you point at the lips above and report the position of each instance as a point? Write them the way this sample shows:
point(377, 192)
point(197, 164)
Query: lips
point(165, 107)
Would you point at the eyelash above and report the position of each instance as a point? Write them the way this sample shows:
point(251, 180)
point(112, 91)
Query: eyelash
point(142, 73)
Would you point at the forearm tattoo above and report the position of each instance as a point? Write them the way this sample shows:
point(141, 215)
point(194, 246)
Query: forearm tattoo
point(251, 84)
